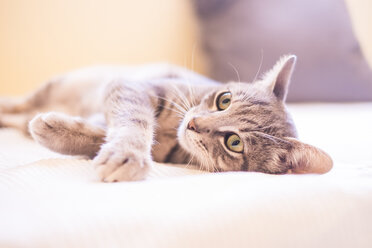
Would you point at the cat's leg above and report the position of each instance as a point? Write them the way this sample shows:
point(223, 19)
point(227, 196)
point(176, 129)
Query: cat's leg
point(18, 121)
point(16, 113)
point(130, 117)
point(66, 134)
point(12, 106)
point(31, 103)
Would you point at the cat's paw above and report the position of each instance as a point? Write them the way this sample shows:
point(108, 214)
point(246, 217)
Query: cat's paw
point(66, 134)
point(45, 127)
point(52, 129)
point(116, 163)
point(55, 121)
point(45, 130)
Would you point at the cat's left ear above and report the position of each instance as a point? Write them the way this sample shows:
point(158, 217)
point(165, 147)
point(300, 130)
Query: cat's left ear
point(304, 158)
point(279, 76)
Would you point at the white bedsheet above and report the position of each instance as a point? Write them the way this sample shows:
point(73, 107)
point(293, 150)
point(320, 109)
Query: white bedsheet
point(50, 200)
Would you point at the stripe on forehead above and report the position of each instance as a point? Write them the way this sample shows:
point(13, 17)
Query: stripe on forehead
point(242, 96)
point(251, 140)
point(210, 99)
point(251, 102)
point(248, 121)
point(249, 109)
point(240, 93)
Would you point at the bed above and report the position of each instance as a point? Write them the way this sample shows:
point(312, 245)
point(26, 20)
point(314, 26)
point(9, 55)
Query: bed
point(51, 200)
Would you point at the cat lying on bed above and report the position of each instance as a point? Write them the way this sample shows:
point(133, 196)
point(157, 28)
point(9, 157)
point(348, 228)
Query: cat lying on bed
point(126, 117)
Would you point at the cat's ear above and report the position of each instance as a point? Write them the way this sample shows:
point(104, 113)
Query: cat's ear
point(279, 76)
point(303, 158)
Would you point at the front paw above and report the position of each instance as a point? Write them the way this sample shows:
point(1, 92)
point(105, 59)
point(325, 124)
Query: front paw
point(48, 129)
point(116, 163)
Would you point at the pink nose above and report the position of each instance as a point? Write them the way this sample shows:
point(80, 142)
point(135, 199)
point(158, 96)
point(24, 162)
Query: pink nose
point(192, 126)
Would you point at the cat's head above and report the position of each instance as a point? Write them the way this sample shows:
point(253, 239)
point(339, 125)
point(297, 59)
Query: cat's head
point(245, 126)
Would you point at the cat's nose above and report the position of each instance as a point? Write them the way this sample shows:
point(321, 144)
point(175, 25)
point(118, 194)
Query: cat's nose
point(192, 125)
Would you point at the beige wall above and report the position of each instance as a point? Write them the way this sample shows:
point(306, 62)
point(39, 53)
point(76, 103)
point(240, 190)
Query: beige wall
point(41, 38)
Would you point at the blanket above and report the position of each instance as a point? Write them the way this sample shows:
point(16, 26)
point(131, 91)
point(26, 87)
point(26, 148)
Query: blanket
point(52, 200)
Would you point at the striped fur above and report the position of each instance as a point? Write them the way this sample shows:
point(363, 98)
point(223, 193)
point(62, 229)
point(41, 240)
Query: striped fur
point(124, 118)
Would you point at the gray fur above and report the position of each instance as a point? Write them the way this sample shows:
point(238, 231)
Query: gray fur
point(130, 116)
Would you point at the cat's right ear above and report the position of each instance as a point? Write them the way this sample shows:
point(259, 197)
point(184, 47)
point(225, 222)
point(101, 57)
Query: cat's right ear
point(278, 78)
point(304, 158)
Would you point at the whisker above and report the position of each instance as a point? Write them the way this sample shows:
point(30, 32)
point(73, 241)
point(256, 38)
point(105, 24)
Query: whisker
point(212, 164)
point(192, 96)
point(236, 71)
point(259, 68)
point(193, 56)
point(207, 161)
point(179, 107)
point(188, 164)
point(171, 102)
point(249, 94)
point(175, 110)
point(183, 98)
point(180, 114)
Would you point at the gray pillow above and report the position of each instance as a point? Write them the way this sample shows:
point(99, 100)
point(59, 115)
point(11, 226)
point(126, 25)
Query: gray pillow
point(330, 63)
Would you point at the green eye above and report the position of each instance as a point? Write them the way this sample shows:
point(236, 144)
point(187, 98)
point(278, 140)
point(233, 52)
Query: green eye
point(223, 101)
point(234, 143)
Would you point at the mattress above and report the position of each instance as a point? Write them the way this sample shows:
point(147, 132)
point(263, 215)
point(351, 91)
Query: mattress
point(52, 200)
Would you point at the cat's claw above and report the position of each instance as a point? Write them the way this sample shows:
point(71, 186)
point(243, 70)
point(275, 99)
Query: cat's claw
point(115, 164)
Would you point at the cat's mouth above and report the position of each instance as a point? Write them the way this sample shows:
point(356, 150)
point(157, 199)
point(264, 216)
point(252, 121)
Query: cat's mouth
point(182, 133)
point(187, 137)
point(191, 141)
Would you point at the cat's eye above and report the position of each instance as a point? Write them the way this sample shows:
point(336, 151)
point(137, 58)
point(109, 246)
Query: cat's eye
point(223, 101)
point(234, 143)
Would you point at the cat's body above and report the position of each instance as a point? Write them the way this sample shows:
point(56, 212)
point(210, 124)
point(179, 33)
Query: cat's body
point(126, 117)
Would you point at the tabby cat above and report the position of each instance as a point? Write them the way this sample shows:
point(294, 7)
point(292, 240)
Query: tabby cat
point(125, 117)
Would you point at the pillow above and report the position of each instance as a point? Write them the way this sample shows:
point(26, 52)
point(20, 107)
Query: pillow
point(239, 33)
